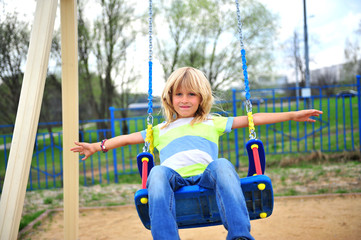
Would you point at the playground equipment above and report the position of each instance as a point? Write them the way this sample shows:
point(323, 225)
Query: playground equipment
point(27, 118)
point(196, 206)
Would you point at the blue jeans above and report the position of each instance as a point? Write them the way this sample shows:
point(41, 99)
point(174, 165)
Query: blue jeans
point(219, 175)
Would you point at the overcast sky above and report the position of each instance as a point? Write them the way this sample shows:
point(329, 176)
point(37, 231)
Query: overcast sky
point(329, 22)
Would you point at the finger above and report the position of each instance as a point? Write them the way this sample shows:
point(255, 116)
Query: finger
point(317, 112)
point(76, 149)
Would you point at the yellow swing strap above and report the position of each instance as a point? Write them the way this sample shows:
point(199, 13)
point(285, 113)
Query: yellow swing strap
point(252, 130)
point(149, 139)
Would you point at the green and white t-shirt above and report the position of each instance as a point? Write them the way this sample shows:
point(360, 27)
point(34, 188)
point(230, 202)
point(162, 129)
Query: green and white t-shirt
point(189, 149)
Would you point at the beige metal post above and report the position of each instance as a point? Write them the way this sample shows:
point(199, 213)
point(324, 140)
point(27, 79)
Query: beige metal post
point(27, 119)
point(69, 55)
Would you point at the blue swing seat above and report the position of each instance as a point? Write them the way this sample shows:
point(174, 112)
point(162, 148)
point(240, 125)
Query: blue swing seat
point(197, 206)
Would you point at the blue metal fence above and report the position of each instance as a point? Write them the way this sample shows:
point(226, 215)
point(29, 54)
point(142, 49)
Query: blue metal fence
point(337, 130)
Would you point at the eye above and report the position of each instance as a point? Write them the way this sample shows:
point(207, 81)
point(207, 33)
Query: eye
point(192, 94)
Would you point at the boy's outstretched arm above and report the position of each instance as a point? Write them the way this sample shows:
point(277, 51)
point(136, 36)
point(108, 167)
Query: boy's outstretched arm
point(270, 118)
point(88, 149)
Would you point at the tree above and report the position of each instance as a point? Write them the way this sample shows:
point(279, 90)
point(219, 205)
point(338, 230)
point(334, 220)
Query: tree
point(51, 105)
point(327, 77)
point(107, 42)
point(128, 78)
point(203, 34)
point(86, 77)
point(298, 59)
point(353, 56)
point(295, 55)
point(14, 44)
point(111, 31)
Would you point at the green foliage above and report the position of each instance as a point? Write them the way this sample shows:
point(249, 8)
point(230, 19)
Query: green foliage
point(48, 200)
point(106, 37)
point(26, 219)
point(14, 44)
point(14, 41)
point(130, 178)
point(353, 56)
point(203, 34)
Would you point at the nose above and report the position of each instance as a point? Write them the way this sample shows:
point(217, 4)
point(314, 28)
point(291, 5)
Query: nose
point(184, 99)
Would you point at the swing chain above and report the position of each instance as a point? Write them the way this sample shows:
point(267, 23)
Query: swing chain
point(252, 134)
point(150, 31)
point(146, 147)
point(248, 103)
point(148, 143)
point(248, 106)
point(150, 119)
point(239, 25)
point(150, 91)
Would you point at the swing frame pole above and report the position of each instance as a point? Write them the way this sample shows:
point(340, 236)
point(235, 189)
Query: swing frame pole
point(27, 119)
point(70, 105)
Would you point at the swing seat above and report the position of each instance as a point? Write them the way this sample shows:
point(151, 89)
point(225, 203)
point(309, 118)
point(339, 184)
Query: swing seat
point(197, 206)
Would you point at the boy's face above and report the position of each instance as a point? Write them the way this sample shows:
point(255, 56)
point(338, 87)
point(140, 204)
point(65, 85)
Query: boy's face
point(185, 102)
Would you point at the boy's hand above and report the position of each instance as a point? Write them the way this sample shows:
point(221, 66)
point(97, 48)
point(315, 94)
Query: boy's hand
point(85, 149)
point(304, 115)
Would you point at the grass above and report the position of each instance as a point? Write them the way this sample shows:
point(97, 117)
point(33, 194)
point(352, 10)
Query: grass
point(317, 174)
point(26, 219)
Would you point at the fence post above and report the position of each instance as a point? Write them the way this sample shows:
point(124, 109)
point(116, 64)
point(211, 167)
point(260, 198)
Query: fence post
point(112, 129)
point(234, 101)
point(358, 79)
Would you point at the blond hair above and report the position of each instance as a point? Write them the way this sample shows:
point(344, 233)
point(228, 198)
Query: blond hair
point(193, 80)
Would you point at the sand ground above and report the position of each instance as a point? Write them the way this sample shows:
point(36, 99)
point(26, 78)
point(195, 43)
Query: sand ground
point(322, 217)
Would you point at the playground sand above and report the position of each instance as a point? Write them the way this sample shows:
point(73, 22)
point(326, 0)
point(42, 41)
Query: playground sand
point(304, 217)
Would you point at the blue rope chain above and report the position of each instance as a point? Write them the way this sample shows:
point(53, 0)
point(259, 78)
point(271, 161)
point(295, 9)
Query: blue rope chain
point(149, 138)
point(252, 133)
point(243, 53)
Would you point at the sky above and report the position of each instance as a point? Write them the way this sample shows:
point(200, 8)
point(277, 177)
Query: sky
point(330, 22)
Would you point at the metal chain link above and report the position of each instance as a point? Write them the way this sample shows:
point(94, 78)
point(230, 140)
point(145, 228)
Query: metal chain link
point(239, 25)
point(150, 119)
point(150, 30)
point(150, 89)
point(150, 74)
point(146, 147)
point(252, 134)
point(248, 103)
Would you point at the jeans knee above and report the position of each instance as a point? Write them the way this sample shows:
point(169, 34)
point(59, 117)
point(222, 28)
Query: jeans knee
point(223, 168)
point(223, 164)
point(158, 173)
